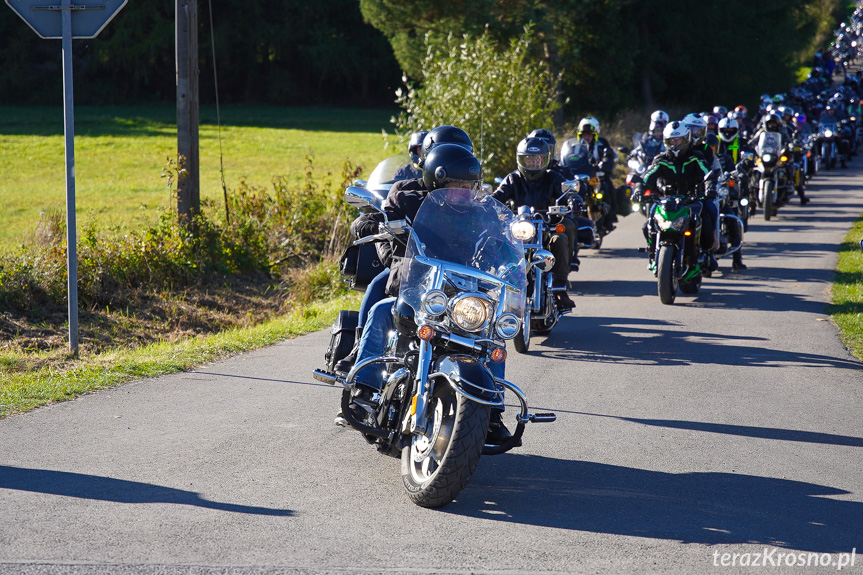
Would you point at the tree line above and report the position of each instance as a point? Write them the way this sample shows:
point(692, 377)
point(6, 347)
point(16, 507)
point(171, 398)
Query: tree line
point(610, 54)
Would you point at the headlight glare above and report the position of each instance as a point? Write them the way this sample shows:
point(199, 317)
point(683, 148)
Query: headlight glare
point(522, 230)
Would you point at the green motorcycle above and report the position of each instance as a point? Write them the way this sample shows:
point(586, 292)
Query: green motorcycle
point(674, 231)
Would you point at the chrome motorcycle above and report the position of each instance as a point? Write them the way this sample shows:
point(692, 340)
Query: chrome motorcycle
point(462, 296)
point(532, 226)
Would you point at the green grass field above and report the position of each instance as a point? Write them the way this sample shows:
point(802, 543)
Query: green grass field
point(120, 153)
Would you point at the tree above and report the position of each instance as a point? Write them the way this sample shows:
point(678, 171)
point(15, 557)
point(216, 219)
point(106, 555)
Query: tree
point(496, 95)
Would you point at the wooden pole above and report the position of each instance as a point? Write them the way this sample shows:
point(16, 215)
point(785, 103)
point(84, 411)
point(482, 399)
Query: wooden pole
point(188, 177)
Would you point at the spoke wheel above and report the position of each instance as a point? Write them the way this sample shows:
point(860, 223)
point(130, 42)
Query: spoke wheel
point(437, 466)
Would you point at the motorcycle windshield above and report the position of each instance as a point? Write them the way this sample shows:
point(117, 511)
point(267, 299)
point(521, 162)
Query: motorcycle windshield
point(828, 128)
point(461, 242)
point(387, 173)
point(575, 155)
point(769, 143)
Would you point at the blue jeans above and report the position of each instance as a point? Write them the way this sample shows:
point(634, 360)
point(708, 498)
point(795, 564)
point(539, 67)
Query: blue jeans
point(373, 344)
point(375, 292)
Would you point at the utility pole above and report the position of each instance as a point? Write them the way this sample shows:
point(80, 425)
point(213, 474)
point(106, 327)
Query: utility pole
point(188, 176)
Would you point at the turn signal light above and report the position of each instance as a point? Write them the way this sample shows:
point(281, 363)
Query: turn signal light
point(784, 158)
point(498, 355)
point(559, 228)
point(687, 233)
point(425, 333)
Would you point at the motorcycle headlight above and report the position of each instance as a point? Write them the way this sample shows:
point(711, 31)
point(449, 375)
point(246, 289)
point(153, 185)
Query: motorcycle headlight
point(744, 202)
point(665, 224)
point(470, 313)
point(767, 158)
point(434, 302)
point(828, 133)
point(636, 206)
point(507, 326)
point(522, 230)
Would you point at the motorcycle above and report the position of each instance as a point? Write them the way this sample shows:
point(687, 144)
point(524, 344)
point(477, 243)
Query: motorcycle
point(674, 251)
point(385, 174)
point(531, 227)
point(771, 173)
point(733, 214)
point(462, 296)
point(828, 145)
point(638, 160)
point(575, 155)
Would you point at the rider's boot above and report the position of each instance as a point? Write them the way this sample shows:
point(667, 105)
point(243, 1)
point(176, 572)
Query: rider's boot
point(344, 365)
point(737, 261)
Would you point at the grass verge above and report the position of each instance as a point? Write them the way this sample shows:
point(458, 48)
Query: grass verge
point(847, 308)
point(21, 392)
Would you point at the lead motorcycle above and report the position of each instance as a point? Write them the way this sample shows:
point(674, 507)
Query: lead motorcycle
point(462, 296)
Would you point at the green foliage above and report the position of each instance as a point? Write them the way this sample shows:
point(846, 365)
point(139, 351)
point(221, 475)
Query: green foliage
point(847, 308)
point(497, 95)
point(269, 232)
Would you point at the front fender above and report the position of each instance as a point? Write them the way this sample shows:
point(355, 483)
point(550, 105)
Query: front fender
point(469, 377)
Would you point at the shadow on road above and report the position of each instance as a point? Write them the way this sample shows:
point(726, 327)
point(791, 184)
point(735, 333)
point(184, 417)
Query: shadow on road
point(658, 342)
point(99, 488)
point(707, 508)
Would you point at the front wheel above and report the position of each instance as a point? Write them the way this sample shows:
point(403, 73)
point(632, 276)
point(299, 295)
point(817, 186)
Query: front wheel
point(437, 466)
point(768, 201)
point(522, 339)
point(665, 275)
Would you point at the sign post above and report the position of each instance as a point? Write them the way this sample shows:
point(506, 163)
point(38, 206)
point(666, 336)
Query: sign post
point(52, 22)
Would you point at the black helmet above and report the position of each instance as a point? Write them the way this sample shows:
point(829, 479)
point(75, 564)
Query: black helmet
point(451, 165)
point(415, 146)
point(446, 135)
point(533, 157)
point(772, 122)
point(546, 135)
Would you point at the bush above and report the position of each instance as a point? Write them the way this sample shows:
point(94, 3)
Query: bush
point(496, 95)
point(264, 232)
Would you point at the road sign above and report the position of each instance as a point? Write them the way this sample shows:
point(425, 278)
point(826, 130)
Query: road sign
point(44, 16)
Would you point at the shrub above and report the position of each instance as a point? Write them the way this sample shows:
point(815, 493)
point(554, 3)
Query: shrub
point(497, 95)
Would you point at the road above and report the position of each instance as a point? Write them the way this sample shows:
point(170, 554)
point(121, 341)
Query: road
point(728, 423)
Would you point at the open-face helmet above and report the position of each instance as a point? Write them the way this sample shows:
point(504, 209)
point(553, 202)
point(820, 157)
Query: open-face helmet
point(415, 146)
point(451, 166)
point(446, 135)
point(696, 126)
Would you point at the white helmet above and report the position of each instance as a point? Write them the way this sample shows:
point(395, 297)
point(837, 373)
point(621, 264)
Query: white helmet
point(696, 125)
point(677, 138)
point(728, 129)
point(658, 120)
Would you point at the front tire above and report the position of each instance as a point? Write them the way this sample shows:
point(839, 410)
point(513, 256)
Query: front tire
point(665, 275)
point(522, 339)
point(436, 468)
point(768, 201)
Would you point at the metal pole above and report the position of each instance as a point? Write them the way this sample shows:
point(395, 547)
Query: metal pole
point(69, 132)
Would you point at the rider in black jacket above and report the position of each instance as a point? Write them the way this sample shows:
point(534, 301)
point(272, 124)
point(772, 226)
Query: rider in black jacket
point(682, 170)
point(534, 185)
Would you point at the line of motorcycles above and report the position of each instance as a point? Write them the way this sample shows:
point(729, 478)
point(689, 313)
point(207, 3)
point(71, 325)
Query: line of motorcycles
point(766, 179)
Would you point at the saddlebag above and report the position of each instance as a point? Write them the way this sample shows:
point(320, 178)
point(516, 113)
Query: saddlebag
point(342, 336)
point(360, 264)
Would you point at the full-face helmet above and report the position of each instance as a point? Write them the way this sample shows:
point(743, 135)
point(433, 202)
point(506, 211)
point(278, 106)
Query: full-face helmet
point(728, 129)
point(696, 126)
point(546, 135)
point(677, 138)
point(533, 157)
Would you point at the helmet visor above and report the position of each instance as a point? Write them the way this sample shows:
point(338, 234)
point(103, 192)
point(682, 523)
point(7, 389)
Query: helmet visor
point(675, 142)
point(533, 162)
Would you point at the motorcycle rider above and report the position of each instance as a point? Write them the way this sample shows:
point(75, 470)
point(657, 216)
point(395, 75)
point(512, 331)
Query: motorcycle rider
point(534, 184)
point(603, 158)
point(682, 167)
point(729, 152)
point(367, 225)
point(555, 166)
point(701, 140)
point(445, 166)
point(414, 169)
point(650, 143)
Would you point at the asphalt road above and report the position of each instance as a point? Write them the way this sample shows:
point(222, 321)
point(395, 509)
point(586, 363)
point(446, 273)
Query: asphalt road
point(728, 423)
